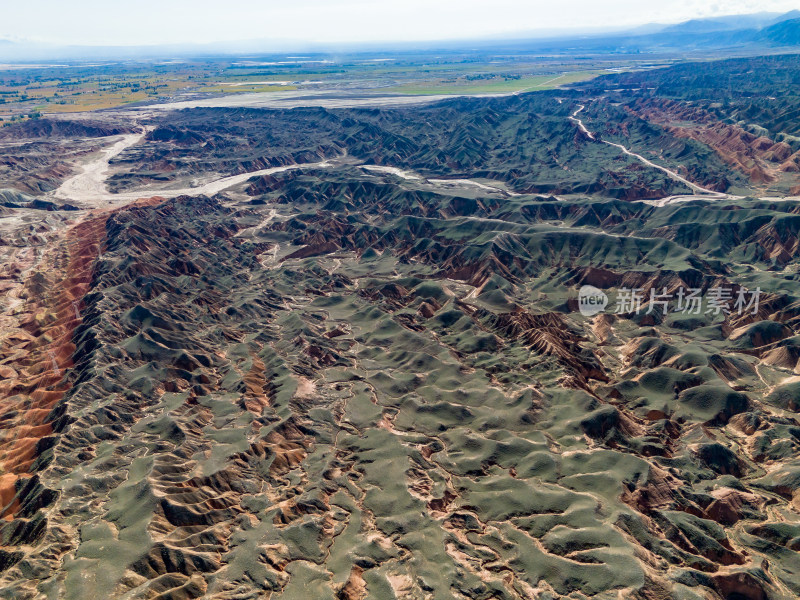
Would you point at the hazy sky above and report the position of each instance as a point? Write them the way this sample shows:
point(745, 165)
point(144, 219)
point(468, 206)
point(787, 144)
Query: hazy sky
point(181, 21)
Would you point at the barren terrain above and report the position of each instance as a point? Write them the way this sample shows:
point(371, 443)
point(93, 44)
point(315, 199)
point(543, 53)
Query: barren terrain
point(337, 352)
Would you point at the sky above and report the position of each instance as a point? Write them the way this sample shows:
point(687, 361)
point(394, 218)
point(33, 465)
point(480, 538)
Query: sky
point(145, 22)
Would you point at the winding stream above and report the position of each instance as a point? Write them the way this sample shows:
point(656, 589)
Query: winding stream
point(701, 192)
point(89, 187)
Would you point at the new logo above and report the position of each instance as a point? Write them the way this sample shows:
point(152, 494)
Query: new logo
point(591, 300)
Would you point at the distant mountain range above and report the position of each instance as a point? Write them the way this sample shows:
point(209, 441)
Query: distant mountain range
point(786, 33)
point(731, 23)
point(749, 33)
point(780, 31)
point(759, 32)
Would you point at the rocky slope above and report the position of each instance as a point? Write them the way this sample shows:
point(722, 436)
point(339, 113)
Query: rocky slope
point(347, 381)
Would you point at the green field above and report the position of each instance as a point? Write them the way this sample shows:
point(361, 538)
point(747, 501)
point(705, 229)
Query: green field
point(496, 85)
point(78, 88)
